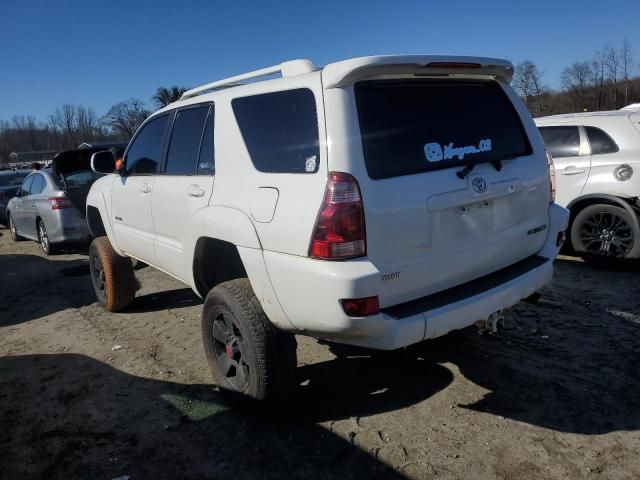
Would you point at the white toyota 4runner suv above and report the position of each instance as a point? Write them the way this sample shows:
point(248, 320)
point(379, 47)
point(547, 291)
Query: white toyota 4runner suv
point(377, 201)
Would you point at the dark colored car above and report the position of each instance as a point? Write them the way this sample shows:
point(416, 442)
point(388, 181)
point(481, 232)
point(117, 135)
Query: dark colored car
point(10, 181)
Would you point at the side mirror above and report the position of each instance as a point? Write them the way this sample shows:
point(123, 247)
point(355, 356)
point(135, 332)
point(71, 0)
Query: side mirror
point(103, 162)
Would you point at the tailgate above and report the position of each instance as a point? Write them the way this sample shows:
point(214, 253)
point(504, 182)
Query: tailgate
point(454, 191)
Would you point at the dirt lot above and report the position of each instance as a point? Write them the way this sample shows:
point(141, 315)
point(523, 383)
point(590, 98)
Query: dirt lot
point(554, 395)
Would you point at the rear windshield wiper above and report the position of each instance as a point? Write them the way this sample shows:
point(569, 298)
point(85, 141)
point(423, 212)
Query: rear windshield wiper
point(497, 164)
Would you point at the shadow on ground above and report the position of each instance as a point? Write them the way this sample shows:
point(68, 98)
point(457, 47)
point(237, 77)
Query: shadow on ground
point(32, 286)
point(69, 416)
point(569, 363)
point(157, 301)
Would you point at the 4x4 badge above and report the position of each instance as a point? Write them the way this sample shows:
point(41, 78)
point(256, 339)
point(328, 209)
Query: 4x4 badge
point(479, 185)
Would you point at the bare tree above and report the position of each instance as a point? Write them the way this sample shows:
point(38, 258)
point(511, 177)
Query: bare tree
point(125, 117)
point(612, 63)
point(575, 79)
point(626, 64)
point(527, 81)
point(164, 96)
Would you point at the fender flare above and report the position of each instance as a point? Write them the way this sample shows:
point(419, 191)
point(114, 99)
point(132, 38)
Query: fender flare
point(221, 223)
point(592, 198)
point(96, 199)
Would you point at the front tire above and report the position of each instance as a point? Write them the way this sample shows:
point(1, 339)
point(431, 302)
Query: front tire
point(111, 275)
point(248, 356)
point(603, 234)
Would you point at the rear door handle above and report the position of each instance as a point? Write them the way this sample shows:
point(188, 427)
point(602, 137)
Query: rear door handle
point(146, 188)
point(571, 170)
point(195, 191)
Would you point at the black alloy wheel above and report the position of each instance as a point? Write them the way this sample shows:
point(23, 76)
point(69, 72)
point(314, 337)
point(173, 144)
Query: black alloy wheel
point(607, 234)
point(228, 347)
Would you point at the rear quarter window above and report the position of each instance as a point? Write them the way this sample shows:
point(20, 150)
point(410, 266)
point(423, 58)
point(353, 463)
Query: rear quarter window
point(411, 126)
point(600, 141)
point(280, 130)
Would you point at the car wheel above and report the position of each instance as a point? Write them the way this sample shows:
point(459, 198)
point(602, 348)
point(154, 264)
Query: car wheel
point(603, 234)
point(111, 275)
point(249, 357)
point(14, 231)
point(43, 239)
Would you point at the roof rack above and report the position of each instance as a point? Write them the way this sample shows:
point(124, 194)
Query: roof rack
point(286, 69)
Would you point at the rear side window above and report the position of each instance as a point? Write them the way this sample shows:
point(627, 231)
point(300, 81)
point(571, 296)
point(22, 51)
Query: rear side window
point(561, 141)
point(185, 140)
point(143, 157)
point(37, 186)
point(600, 142)
point(414, 126)
point(280, 130)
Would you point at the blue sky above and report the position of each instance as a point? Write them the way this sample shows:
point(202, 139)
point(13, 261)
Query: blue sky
point(99, 53)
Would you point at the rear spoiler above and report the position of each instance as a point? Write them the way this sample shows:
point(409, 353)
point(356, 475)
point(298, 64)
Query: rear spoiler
point(343, 73)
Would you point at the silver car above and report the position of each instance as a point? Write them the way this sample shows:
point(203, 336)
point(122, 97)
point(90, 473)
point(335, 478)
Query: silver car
point(43, 211)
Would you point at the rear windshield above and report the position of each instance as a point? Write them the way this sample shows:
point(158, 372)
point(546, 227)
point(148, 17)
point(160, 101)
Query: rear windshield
point(414, 126)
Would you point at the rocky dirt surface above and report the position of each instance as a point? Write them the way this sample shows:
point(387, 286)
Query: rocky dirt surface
point(89, 394)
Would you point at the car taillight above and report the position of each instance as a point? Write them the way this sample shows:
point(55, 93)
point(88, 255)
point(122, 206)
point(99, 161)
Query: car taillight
point(360, 307)
point(552, 177)
point(58, 203)
point(339, 232)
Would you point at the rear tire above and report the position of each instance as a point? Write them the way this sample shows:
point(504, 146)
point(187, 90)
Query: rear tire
point(604, 234)
point(111, 275)
point(249, 357)
point(13, 230)
point(43, 239)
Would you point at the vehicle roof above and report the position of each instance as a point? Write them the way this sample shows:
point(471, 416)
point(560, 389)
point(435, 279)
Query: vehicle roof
point(15, 172)
point(343, 72)
point(567, 117)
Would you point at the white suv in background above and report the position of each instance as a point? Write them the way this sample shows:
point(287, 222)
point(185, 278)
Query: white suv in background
point(597, 161)
point(377, 201)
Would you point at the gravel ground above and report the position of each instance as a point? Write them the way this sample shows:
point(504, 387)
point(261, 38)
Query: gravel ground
point(90, 394)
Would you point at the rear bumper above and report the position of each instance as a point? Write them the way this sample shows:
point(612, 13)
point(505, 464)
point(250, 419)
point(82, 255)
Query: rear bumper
point(67, 225)
point(309, 292)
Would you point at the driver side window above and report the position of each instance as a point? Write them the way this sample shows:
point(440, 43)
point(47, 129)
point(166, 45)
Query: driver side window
point(144, 155)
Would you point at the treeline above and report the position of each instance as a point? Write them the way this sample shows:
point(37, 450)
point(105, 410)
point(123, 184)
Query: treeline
point(70, 125)
point(607, 81)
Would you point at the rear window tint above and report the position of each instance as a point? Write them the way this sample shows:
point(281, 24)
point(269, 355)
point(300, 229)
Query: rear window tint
point(280, 130)
point(414, 126)
point(561, 141)
point(600, 142)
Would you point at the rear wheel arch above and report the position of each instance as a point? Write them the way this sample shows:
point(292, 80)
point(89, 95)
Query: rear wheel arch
point(581, 203)
point(215, 261)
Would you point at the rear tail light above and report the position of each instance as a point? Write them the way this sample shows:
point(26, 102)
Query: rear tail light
point(339, 232)
point(360, 307)
point(552, 177)
point(58, 203)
